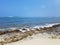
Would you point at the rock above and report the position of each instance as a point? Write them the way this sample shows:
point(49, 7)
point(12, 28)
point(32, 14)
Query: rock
point(2, 32)
point(30, 32)
point(14, 30)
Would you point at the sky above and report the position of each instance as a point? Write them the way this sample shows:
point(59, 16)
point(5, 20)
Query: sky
point(30, 8)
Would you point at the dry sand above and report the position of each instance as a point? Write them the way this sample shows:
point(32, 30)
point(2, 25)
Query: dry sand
point(38, 42)
point(38, 39)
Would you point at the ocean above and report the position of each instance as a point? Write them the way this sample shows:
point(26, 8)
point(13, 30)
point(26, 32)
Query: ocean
point(17, 22)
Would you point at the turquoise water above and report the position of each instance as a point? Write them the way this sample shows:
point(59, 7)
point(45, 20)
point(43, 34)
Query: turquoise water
point(6, 22)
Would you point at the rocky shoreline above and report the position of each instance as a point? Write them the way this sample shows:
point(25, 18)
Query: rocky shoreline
point(16, 35)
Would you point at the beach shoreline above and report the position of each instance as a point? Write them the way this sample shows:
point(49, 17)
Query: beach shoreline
point(44, 32)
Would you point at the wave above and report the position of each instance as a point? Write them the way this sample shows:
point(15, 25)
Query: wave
point(24, 29)
point(46, 25)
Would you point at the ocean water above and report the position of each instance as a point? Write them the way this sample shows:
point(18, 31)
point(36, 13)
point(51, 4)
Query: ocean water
point(8, 22)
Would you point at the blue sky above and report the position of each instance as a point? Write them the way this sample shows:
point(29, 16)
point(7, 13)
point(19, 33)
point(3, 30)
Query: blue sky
point(30, 8)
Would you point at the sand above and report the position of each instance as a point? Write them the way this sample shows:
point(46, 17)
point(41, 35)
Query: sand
point(45, 36)
point(38, 42)
point(38, 39)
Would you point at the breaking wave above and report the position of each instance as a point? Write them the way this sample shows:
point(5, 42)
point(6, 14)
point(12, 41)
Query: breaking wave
point(24, 29)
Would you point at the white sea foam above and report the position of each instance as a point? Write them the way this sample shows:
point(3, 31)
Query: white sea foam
point(12, 28)
point(33, 28)
point(38, 27)
point(22, 30)
point(46, 25)
point(26, 29)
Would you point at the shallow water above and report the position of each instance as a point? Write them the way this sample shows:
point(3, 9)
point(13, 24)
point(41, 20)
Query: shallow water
point(7, 22)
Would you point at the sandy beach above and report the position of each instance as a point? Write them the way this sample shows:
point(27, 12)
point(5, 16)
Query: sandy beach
point(46, 35)
point(29, 22)
point(37, 40)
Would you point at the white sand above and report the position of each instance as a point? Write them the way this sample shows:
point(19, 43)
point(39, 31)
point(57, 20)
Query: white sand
point(38, 39)
point(38, 42)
